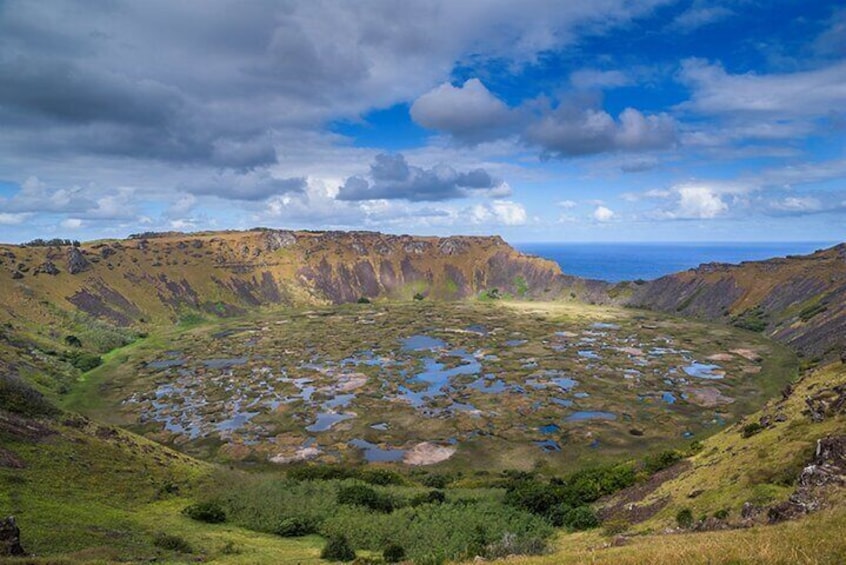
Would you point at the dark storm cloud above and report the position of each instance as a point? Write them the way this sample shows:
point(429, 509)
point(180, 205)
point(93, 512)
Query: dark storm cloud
point(392, 178)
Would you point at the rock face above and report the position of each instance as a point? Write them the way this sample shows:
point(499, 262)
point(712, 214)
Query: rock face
point(77, 263)
point(10, 538)
point(799, 300)
point(164, 276)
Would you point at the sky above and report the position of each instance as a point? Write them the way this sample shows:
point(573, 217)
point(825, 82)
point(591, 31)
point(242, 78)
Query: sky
point(605, 121)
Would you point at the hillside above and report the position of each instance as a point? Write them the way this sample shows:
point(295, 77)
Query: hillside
point(798, 300)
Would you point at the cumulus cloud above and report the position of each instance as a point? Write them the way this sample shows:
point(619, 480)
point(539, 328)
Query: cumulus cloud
point(12, 219)
point(603, 214)
point(392, 178)
point(503, 212)
point(568, 131)
point(468, 112)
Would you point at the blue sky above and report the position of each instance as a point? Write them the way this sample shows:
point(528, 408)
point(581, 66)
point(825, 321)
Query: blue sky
point(610, 120)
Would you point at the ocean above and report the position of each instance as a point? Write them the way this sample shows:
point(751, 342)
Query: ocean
point(616, 262)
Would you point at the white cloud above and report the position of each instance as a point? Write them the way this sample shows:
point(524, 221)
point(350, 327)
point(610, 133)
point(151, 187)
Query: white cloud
point(603, 214)
point(566, 204)
point(503, 212)
point(804, 93)
point(12, 219)
point(469, 112)
point(798, 204)
point(699, 16)
point(72, 223)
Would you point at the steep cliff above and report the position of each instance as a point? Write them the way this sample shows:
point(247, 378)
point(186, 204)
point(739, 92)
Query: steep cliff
point(160, 277)
point(797, 300)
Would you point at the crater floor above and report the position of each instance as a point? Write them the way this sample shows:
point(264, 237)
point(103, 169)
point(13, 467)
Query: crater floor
point(478, 385)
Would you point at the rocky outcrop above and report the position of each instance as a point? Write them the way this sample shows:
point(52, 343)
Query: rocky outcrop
point(10, 538)
point(77, 263)
point(799, 300)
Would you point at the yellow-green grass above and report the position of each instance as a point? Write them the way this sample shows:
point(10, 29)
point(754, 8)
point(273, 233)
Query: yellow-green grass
point(816, 539)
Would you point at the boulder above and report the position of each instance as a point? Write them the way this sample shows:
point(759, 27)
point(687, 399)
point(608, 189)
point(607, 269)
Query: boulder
point(10, 538)
point(77, 263)
point(48, 268)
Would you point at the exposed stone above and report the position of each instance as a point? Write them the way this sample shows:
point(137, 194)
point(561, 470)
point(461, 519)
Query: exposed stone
point(278, 239)
point(48, 268)
point(17, 275)
point(77, 263)
point(10, 538)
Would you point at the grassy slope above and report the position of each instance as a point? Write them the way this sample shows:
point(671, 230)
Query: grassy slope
point(90, 493)
point(732, 470)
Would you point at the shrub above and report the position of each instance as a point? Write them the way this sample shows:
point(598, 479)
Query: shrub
point(172, 543)
point(418, 296)
point(393, 553)
point(208, 512)
point(580, 518)
point(721, 514)
point(435, 481)
point(338, 548)
point(684, 518)
point(750, 430)
point(82, 360)
point(362, 495)
point(381, 477)
point(363, 300)
point(615, 526)
point(72, 341)
point(431, 497)
point(295, 527)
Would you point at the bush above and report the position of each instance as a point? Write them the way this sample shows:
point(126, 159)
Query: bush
point(580, 518)
point(172, 543)
point(338, 548)
point(435, 481)
point(750, 430)
point(663, 460)
point(363, 300)
point(431, 497)
point(393, 553)
point(684, 518)
point(419, 296)
point(73, 341)
point(721, 514)
point(381, 477)
point(208, 512)
point(82, 360)
point(295, 527)
point(362, 495)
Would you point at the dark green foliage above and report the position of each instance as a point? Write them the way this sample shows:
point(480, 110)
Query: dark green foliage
point(811, 311)
point(435, 481)
point(654, 463)
point(83, 360)
point(171, 543)
point(521, 286)
point(381, 477)
point(431, 497)
point(338, 548)
point(362, 495)
point(18, 397)
point(56, 242)
point(419, 296)
point(295, 527)
point(363, 300)
point(580, 518)
point(72, 341)
point(721, 514)
point(750, 430)
point(754, 319)
point(319, 473)
point(393, 553)
point(684, 518)
point(209, 512)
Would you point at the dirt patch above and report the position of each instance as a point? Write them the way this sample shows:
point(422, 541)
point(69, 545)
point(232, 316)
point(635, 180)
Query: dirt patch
point(707, 396)
point(301, 454)
point(428, 453)
point(351, 382)
point(625, 504)
point(748, 354)
point(720, 357)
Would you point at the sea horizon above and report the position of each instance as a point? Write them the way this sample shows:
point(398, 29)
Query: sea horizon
point(627, 261)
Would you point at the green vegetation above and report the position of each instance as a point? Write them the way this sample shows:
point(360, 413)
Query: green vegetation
point(684, 518)
point(753, 319)
point(338, 549)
